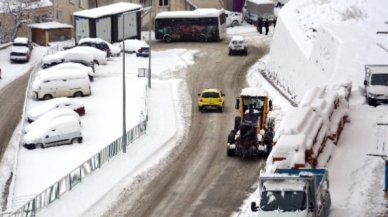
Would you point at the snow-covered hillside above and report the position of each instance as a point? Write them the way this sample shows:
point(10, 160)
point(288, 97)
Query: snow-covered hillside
point(325, 41)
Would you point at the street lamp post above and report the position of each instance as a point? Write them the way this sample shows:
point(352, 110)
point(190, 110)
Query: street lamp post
point(124, 140)
point(149, 44)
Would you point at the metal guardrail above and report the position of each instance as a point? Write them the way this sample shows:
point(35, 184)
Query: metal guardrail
point(75, 177)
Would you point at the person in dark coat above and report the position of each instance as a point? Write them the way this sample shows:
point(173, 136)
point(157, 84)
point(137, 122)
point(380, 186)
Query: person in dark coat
point(260, 25)
point(266, 25)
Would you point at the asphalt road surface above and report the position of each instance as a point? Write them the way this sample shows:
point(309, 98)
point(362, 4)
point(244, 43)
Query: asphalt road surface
point(201, 180)
point(11, 109)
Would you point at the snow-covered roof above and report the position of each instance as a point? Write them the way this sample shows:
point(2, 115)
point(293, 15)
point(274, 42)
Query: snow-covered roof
point(252, 91)
point(112, 9)
point(237, 38)
point(50, 25)
point(62, 73)
point(210, 12)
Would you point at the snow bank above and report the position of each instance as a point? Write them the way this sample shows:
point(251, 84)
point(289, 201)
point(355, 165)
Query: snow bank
point(319, 36)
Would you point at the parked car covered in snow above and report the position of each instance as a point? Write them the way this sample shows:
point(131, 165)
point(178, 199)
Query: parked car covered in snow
point(133, 45)
point(62, 83)
point(111, 50)
point(75, 66)
point(99, 56)
point(62, 102)
point(59, 131)
point(21, 50)
point(75, 56)
point(46, 118)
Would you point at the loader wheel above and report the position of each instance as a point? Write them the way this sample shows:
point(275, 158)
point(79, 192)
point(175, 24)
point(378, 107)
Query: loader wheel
point(230, 152)
point(237, 121)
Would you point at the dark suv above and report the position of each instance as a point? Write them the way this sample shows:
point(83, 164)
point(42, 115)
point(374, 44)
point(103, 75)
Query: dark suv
point(143, 52)
point(111, 51)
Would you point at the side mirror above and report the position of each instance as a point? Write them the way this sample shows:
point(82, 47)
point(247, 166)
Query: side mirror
point(254, 207)
point(47, 136)
point(270, 105)
point(199, 94)
point(237, 106)
point(365, 83)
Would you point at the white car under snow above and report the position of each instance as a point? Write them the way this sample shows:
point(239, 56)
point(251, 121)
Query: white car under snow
point(62, 102)
point(48, 117)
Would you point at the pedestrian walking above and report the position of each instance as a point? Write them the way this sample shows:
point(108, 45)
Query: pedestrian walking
point(260, 25)
point(266, 25)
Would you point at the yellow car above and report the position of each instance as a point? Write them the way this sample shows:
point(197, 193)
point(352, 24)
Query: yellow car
point(211, 98)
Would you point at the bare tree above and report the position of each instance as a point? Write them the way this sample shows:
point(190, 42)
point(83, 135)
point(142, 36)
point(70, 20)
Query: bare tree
point(18, 13)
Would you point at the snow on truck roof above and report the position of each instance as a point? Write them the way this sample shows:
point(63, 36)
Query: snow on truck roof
point(252, 91)
point(112, 9)
point(284, 185)
point(377, 69)
point(201, 12)
point(20, 40)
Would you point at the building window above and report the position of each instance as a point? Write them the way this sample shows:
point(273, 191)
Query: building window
point(146, 3)
point(82, 3)
point(163, 2)
point(60, 15)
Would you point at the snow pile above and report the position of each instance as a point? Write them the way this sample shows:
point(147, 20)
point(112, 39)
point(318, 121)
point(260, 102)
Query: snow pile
point(320, 37)
point(304, 131)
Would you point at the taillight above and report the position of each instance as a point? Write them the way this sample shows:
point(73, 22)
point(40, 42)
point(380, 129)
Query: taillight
point(219, 100)
point(200, 100)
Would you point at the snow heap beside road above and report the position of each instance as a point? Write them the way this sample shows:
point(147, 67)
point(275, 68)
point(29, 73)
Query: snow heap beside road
point(306, 130)
point(320, 37)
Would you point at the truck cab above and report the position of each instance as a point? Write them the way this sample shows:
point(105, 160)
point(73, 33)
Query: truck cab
point(376, 84)
point(294, 192)
point(21, 50)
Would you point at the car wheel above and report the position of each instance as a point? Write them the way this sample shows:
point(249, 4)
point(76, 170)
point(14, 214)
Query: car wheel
point(167, 39)
point(371, 102)
point(221, 109)
point(200, 109)
point(47, 97)
point(230, 152)
point(78, 94)
point(76, 140)
point(40, 145)
point(234, 23)
point(30, 146)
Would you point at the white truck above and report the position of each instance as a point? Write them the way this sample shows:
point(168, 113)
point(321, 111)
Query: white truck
point(294, 192)
point(253, 9)
point(376, 84)
point(20, 50)
point(233, 18)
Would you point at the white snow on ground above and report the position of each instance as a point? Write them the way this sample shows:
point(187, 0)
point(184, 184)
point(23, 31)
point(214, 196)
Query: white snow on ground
point(299, 59)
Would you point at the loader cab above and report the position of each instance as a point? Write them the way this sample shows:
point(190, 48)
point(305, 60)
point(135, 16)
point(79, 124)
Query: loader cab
point(253, 109)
